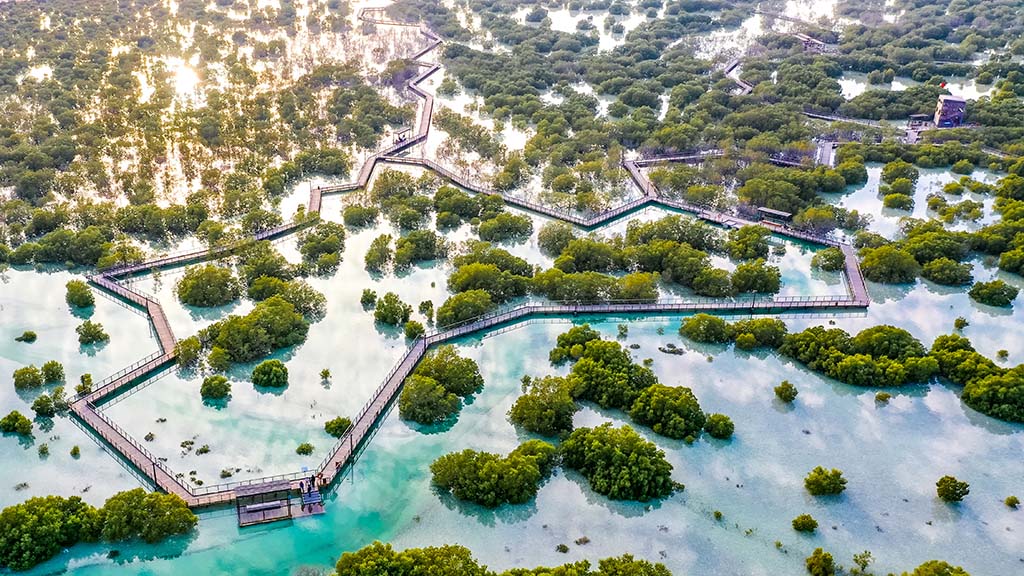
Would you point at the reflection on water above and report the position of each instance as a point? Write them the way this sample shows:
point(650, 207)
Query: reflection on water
point(733, 41)
point(755, 480)
point(35, 301)
point(865, 199)
point(565, 20)
point(255, 433)
point(891, 455)
point(856, 83)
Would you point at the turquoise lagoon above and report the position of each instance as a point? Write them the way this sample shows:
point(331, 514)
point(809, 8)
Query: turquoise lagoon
point(866, 199)
point(32, 300)
point(254, 434)
point(892, 455)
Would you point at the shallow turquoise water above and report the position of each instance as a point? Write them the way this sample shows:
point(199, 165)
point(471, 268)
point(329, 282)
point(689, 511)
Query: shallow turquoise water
point(892, 455)
point(255, 433)
point(31, 300)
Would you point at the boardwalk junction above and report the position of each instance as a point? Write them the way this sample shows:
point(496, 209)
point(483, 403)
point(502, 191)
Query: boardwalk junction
point(273, 498)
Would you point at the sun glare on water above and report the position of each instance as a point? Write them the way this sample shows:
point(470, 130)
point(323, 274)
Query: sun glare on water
point(186, 79)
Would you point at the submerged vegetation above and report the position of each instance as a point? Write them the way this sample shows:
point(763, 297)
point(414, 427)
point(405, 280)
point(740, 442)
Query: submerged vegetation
point(123, 135)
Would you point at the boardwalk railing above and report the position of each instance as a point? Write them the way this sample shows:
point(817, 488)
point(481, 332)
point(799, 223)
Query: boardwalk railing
point(132, 451)
point(201, 254)
point(109, 379)
point(364, 424)
point(230, 486)
point(151, 459)
point(662, 305)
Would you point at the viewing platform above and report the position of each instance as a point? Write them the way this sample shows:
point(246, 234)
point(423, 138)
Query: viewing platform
point(271, 499)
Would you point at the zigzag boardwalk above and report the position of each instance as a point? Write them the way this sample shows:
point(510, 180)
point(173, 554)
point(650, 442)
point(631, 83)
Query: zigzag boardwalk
point(85, 407)
point(385, 395)
point(744, 86)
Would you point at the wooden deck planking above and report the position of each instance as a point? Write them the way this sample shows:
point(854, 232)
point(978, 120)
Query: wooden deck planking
point(365, 423)
point(385, 396)
point(854, 276)
point(142, 459)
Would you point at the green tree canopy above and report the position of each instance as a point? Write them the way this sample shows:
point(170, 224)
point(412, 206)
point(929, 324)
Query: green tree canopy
point(458, 375)
point(271, 374)
point(491, 480)
point(619, 463)
point(889, 265)
point(546, 407)
point(949, 489)
point(425, 401)
point(79, 295)
point(215, 387)
point(822, 482)
point(208, 286)
point(671, 411)
point(151, 517)
point(464, 306)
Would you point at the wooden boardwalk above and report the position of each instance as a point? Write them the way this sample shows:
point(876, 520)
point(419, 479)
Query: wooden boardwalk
point(854, 276)
point(834, 118)
point(365, 422)
point(85, 407)
point(730, 72)
point(778, 16)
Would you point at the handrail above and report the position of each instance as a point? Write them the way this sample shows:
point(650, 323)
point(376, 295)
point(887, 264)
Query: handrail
point(419, 346)
point(229, 486)
point(124, 435)
point(742, 301)
point(109, 379)
point(384, 394)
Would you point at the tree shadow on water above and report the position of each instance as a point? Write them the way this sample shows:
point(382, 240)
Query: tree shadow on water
point(83, 313)
point(140, 551)
point(432, 429)
point(759, 353)
point(988, 423)
point(270, 390)
point(93, 349)
point(942, 289)
point(624, 508)
point(783, 407)
point(881, 293)
point(218, 403)
point(829, 278)
point(198, 313)
point(948, 512)
point(490, 517)
point(25, 441)
point(389, 331)
point(987, 310)
point(45, 423)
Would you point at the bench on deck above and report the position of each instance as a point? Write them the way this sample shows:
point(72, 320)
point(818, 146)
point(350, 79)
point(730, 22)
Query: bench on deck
point(266, 502)
point(262, 506)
